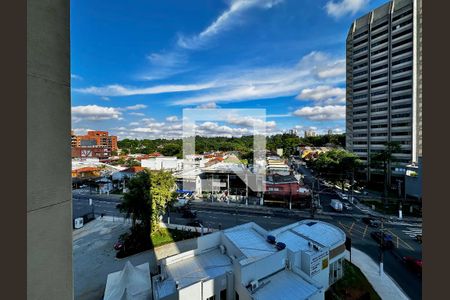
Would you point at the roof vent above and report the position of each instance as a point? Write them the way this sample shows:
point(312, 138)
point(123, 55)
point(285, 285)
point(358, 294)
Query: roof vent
point(280, 246)
point(271, 239)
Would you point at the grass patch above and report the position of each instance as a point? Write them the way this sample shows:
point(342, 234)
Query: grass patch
point(165, 236)
point(353, 285)
point(137, 240)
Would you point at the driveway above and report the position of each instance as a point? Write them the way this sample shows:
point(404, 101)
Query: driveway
point(94, 257)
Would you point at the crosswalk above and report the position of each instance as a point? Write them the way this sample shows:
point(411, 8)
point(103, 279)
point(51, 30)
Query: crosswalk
point(412, 232)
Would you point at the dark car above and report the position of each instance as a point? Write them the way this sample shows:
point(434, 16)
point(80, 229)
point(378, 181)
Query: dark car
point(414, 264)
point(378, 236)
point(371, 222)
point(190, 214)
point(195, 223)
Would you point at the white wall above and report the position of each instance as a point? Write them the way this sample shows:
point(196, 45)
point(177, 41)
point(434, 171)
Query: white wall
point(263, 267)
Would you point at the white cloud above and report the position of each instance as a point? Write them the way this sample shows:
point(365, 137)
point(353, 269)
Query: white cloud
point(226, 20)
point(208, 105)
point(136, 114)
point(340, 8)
point(135, 107)
point(172, 119)
point(240, 84)
point(167, 59)
point(324, 94)
point(249, 121)
point(119, 90)
point(105, 98)
point(165, 64)
point(76, 77)
point(95, 113)
point(81, 131)
point(322, 113)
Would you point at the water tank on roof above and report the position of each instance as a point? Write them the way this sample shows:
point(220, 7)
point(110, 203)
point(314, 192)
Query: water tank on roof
point(271, 239)
point(280, 246)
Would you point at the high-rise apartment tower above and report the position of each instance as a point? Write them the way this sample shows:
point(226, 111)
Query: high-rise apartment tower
point(384, 89)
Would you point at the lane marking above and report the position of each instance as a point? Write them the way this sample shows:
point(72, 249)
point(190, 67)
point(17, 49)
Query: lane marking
point(365, 230)
point(351, 227)
point(406, 244)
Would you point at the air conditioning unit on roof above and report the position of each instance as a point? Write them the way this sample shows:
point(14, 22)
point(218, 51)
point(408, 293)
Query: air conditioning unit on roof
point(254, 284)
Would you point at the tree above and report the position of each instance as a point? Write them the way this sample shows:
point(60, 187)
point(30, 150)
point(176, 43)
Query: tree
point(136, 202)
point(162, 191)
point(384, 159)
point(337, 165)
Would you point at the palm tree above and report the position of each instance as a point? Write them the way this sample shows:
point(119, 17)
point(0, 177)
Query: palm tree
point(385, 158)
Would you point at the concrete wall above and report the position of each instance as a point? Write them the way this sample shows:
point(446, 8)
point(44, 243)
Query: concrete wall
point(49, 209)
point(263, 267)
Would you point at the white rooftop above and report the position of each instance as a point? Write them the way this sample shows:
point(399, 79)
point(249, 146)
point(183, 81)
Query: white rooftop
point(225, 167)
point(251, 243)
point(285, 285)
point(323, 233)
point(193, 269)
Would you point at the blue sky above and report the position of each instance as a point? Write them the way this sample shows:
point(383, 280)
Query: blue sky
point(137, 64)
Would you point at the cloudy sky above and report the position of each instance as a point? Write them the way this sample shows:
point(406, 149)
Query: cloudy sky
point(137, 64)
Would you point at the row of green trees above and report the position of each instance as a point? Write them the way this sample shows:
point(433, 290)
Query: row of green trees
point(244, 144)
point(339, 166)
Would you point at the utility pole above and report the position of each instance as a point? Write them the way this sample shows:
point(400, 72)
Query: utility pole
point(382, 247)
point(400, 212)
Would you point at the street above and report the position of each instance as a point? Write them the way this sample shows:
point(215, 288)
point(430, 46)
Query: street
point(221, 218)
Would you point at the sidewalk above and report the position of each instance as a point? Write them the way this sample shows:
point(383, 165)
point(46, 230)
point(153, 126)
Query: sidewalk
point(384, 285)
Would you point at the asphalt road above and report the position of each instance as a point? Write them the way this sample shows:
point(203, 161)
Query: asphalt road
point(354, 228)
point(403, 236)
point(101, 204)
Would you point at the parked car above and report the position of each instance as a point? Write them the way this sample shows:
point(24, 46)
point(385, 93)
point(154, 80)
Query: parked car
point(336, 204)
point(195, 223)
point(378, 236)
point(414, 264)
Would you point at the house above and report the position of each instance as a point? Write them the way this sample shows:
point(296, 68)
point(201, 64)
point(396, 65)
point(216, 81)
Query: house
point(86, 172)
point(298, 261)
point(127, 173)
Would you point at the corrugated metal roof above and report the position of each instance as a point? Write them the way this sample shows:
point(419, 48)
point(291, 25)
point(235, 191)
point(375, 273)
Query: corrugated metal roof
point(285, 285)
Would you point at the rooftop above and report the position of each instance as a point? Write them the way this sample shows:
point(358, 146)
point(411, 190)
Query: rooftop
point(250, 242)
point(285, 285)
point(323, 233)
point(193, 269)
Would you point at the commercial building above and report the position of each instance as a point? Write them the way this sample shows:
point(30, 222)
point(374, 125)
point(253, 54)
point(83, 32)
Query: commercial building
point(384, 91)
point(298, 261)
point(167, 163)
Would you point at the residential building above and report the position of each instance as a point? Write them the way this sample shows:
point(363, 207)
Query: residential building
point(298, 261)
point(86, 172)
point(93, 144)
point(310, 132)
point(383, 94)
point(126, 173)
